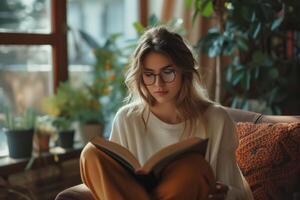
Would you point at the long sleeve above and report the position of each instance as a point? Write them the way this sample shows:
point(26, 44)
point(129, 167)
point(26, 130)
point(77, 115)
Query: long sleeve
point(221, 154)
point(118, 129)
point(227, 168)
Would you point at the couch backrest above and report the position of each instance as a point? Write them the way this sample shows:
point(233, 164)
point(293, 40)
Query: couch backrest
point(239, 115)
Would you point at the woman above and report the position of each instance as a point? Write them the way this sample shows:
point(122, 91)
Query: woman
point(167, 104)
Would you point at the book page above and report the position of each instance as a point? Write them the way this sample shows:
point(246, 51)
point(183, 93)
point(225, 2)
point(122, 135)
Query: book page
point(163, 157)
point(117, 152)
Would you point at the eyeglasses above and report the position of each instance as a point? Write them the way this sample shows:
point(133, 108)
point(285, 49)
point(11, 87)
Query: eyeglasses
point(166, 75)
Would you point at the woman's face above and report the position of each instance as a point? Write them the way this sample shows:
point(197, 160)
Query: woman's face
point(162, 78)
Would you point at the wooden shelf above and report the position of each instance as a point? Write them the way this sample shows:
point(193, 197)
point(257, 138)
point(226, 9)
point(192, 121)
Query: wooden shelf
point(9, 166)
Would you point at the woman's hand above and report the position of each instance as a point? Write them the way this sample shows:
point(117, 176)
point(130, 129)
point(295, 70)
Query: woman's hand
point(219, 193)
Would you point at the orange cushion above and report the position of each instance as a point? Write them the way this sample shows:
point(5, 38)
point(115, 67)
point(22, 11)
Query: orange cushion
point(269, 157)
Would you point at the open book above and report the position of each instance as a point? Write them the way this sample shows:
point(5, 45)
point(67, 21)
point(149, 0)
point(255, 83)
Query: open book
point(148, 174)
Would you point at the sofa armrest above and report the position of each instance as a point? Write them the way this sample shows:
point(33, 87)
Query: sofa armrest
point(78, 192)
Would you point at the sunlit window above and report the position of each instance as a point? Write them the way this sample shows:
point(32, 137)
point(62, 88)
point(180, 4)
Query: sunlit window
point(99, 19)
point(30, 68)
point(28, 16)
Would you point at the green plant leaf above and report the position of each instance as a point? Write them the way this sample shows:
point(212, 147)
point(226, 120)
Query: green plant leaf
point(253, 17)
point(237, 78)
point(256, 72)
point(212, 44)
point(90, 41)
point(153, 20)
point(235, 101)
point(257, 30)
point(276, 23)
point(207, 10)
point(188, 3)
point(248, 80)
point(139, 28)
point(229, 73)
point(245, 104)
point(203, 7)
point(229, 48)
point(242, 44)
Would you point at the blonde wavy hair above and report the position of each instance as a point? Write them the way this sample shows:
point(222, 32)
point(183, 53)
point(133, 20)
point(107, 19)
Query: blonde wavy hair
point(192, 99)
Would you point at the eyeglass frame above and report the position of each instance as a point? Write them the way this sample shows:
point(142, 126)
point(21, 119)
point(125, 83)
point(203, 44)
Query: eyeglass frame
point(160, 76)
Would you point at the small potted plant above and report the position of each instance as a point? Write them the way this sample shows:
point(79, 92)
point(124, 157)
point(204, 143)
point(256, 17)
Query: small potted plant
point(44, 130)
point(62, 107)
point(19, 132)
point(65, 132)
point(89, 113)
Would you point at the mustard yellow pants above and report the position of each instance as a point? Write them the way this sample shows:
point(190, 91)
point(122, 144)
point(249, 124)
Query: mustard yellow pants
point(188, 178)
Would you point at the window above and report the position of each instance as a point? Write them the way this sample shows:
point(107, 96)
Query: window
point(99, 19)
point(35, 52)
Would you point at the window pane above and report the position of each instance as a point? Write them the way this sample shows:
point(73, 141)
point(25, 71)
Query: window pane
point(25, 76)
point(99, 19)
point(91, 24)
point(29, 16)
point(3, 144)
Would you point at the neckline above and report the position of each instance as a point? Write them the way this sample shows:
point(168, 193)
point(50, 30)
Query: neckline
point(153, 118)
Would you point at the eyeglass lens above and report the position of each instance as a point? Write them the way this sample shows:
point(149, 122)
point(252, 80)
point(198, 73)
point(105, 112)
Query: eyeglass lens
point(166, 75)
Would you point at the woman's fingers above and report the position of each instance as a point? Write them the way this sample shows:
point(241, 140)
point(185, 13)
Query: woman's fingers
point(219, 193)
point(221, 188)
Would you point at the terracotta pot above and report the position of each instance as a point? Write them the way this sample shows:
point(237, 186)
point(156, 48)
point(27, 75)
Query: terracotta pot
point(41, 143)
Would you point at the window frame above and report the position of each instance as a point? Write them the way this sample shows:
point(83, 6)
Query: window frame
point(57, 39)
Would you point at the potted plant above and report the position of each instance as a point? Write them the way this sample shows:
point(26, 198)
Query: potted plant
point(89, 113)
point(107, 85)
point(62, 108)
point(19, 132)
point(44, 130)
point(65, 132)
point(70, 105)
point(259, 44)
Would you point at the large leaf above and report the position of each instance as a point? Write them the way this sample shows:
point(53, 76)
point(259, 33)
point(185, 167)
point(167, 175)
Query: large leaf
point(242, 43)
point(256, 30)
point(203, 7)
point(153, 20)
point(139, 28)
point(238, 77)
point(276, 23)
point(212, 43)
point(207, 10)
point(89, 39)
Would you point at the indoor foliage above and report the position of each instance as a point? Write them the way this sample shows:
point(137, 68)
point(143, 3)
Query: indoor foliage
point(252, 34)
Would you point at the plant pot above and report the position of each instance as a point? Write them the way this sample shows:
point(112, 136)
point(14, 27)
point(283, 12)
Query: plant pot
point(19, 143)
point(89, 131)
point(66, 139)
point(41, 143)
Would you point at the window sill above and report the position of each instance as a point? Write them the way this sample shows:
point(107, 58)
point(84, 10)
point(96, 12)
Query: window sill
point(9, 166)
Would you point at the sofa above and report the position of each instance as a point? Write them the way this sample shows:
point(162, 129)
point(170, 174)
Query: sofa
point(268, 155)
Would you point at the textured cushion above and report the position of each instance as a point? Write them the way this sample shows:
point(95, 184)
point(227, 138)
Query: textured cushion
point(269, 157)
